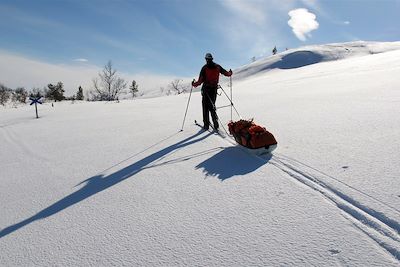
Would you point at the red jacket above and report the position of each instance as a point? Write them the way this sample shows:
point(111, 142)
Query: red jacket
point(209, 75)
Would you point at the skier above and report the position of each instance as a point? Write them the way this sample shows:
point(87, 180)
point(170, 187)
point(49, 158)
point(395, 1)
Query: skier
point(209, 77)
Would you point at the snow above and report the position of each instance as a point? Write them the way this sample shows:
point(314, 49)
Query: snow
point(307, 55)
point(120, 184)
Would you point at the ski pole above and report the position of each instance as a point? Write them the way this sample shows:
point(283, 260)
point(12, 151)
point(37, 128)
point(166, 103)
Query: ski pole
point(233, 106)
point(215, 110)
point(230, 83)
point(187, 106)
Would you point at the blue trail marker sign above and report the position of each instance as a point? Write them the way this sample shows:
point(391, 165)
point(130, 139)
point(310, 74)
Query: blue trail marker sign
point(36, 101)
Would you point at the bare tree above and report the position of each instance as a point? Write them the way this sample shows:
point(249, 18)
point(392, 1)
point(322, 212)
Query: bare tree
point(36, 92)
point(110, 85)
point(20, 94)
point(91, 95)
point(176, 85)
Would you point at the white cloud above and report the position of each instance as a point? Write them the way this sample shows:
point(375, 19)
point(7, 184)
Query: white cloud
point(251, 11)
point(81, 60)
point(346, 22)
point(302, 22)
point(249, 27)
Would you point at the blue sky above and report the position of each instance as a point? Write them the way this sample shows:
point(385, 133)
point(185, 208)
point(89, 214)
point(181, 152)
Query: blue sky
point(170, 37)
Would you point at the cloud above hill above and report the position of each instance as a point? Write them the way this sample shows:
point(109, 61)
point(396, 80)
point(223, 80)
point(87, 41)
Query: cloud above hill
point(302, 23)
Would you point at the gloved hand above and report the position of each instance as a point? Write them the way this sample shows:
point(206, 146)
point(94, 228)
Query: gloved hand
point(193, 83)
point(230, 72)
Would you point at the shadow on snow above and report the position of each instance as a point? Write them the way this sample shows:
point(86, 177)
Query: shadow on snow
point(230, 162)
point(292, 60)
point(99, 183)
point(296, 60)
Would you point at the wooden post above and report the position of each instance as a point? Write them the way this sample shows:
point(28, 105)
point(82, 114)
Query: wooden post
point(37, 116)
point(35, 101)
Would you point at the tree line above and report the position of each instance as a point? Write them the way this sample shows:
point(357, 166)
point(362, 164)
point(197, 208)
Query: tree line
point(107, 86)
point(51, 92)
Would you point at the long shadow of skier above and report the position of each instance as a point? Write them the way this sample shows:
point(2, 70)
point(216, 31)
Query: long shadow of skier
point(99, 183)
point(230, 162)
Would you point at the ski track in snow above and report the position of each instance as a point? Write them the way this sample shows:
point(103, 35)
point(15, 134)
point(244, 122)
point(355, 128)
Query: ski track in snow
point(376, 225)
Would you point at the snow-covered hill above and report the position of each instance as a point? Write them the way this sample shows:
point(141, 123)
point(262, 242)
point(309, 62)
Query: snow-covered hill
point(120, 184)
point(307, 55)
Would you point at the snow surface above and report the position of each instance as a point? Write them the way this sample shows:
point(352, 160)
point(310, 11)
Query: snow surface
point(119, 183)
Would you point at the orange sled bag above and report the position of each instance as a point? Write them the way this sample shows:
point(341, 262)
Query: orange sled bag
point(251, 135)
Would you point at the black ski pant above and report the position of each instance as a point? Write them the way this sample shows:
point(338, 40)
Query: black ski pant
point(208, 102)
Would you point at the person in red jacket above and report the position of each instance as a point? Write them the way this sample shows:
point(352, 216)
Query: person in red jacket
point(209, 77)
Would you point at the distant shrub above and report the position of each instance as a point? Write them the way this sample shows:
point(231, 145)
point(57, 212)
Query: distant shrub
point(134, 88)
point(79, 94)
point(177, 86)
point(5, 94)
point(20, 95)
point(36, 92)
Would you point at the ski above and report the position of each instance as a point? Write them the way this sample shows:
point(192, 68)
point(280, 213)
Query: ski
point(211, 130)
